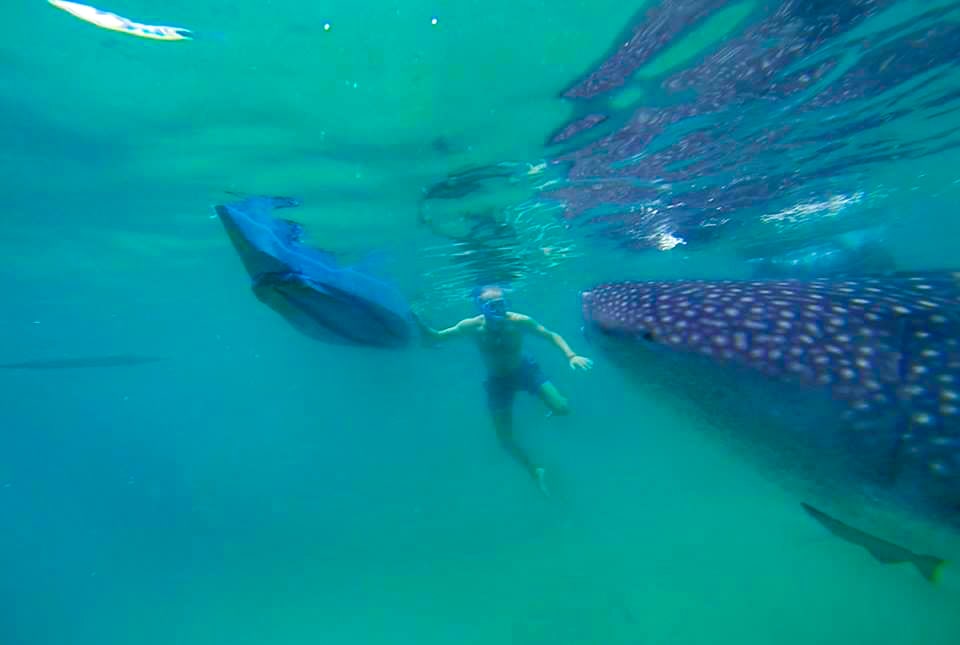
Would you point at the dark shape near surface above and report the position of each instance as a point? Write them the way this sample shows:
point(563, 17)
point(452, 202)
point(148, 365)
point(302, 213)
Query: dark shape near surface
point(316, 294)
point(882, 551)
point(122, 360)
point(777, 110)
point(847, 389)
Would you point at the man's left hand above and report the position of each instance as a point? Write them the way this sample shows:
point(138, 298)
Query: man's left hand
point(580, 363)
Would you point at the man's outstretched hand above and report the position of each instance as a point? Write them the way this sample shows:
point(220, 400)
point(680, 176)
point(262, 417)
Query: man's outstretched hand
point(427, 335)
point(581, 363)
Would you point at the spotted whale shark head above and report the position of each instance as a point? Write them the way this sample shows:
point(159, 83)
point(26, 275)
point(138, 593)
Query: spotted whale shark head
point(885, 349)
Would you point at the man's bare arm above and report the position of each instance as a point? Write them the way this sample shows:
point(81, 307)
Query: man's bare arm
point(558, 340)
point(433, 336)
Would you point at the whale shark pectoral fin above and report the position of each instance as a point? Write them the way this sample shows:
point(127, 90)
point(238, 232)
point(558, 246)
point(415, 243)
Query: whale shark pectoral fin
point(882, 551)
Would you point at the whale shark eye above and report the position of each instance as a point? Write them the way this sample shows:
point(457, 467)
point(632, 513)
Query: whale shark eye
point(648, 336)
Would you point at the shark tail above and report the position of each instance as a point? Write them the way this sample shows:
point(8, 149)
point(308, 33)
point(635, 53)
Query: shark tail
point(929, 566)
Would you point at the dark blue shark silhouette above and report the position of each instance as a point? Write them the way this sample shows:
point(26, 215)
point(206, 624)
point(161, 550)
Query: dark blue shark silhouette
point(307, 286)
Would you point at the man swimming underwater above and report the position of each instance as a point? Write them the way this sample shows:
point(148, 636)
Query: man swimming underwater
point(498, 334)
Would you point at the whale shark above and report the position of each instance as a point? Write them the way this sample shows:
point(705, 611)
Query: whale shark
point(318, 295)
point(845, 389)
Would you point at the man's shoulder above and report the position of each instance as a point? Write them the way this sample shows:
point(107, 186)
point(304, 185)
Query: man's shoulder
point(518, 317)
point(470, 323)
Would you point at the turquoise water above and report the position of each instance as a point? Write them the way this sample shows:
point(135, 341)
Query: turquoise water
point(258, 487)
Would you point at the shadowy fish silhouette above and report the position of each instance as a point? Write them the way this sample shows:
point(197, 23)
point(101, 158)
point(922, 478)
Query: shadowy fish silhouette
point(847, 387)
point(307, 286)
point(124, 360)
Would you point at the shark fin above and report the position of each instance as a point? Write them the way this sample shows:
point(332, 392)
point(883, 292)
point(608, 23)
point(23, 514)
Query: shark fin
point(929, 566)
point(882, 551)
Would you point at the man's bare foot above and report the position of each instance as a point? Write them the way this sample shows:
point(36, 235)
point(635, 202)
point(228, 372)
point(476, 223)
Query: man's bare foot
point(540, 475)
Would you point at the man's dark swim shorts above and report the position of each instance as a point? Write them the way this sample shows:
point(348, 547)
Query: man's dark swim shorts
point(502, 388)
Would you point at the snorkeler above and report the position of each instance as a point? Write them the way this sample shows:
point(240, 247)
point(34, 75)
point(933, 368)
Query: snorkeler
point(498, 334)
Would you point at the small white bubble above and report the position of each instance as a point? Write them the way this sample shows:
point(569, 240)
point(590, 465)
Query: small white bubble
point(434, 20)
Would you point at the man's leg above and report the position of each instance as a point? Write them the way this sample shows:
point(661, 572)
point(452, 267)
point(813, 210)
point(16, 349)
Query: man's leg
point(503, 423)
point(551, 396)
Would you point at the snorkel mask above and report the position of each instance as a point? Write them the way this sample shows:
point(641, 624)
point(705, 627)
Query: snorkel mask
point(494, 309)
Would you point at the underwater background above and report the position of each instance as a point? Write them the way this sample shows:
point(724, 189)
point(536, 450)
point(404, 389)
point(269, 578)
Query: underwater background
point(255, 486)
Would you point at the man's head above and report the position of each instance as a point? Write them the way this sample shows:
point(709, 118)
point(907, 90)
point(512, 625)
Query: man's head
point(491, 302)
